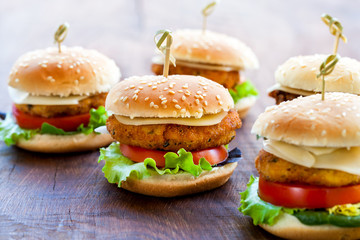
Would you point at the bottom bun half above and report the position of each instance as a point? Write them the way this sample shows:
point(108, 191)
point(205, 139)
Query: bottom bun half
point(243, 105)
point(62, 144)
point(289, 227)
point(180, 184)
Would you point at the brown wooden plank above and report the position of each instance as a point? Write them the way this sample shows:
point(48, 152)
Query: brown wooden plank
point(66, 196)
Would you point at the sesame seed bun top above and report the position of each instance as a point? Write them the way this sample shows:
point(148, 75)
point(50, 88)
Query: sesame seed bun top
point(309, 121)
point(177, 96)
point(300, 73)
point(74, 71)
point(212, 48)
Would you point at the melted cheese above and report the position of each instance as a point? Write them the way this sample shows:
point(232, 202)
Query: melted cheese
point(290, 90)
point(160, 60)
point(21, 97)
point(206, 120)
point(343, 159)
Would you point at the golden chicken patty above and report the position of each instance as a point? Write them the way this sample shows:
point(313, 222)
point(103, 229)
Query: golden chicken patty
point(49, 111)
point(227, 79)
point(172, 137)
point(275, 169)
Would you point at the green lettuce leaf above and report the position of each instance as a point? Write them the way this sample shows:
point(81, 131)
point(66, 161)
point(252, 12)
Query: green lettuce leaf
point(261, 212)
point(97, 118)
point(118, 168)
point(243, 90)
point(10, 132)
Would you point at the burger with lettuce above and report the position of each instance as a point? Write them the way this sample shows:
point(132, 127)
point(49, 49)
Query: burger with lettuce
point(309, 167)
point(215, 56)
point(171, 135)
point(58, 100)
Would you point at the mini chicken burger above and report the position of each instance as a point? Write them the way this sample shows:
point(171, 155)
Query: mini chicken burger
point(58, 100)
point(215, 56)
point(297, 77)
point(309, 167)
point(170, 135)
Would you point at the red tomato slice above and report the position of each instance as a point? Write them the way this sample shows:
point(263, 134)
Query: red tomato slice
point(307, 196)
point(137, 154)
point(67, 123)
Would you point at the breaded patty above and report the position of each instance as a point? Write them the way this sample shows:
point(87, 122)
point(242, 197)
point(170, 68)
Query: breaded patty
point(275, 169)
point(227, 79)
point(172, 137)
point(49, 111)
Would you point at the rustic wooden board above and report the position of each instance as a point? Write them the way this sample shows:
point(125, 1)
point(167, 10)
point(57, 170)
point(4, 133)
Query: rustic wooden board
point(66, 196)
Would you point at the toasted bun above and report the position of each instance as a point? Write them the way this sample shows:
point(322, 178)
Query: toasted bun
point(74, 71)
point(309, 121)
point(289, 227)
point(180, 184)
point(243, 105)
point(176, 96)
point(300, 73)
point(212, 48)
point(61, 144)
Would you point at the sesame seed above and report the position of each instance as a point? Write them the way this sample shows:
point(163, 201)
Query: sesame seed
point(59, 66)
point(177, 106)
point(132, 86)
point(121, 98)
point(199, 92)
point(183, 98)
point(205, 88)
point(312, 118)
point(82, 78)
point(172, 92)
point(175, 101)
point(180, 91)
point(197, 101)
point(152, 104)
point(163, 102)
point(187, 93)
point(156, 106)
point(125, 98)
point(323, 133)
point(206, 103)
point(218, 97)
point(135, 97)
point(126, 88)
point(344, 114)
point(71, 66)
point(220, 103)
point(185, 86)
point(137, 91)
point(78, 70)
point(343, 133)
point(147, 98)
point(201, 97)
point(204, 94)
point(171, 85)
point(165, 89)
point(141, 88)
point(127, 105)
point(154, 87)
point(43, 65)
point(183, 110)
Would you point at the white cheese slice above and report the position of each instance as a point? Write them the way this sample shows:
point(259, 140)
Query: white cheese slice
point(277, 86)
point(343, 159)
point(101, 129)
point(160, 60)
point(21, 97)
point(206, 120)
point(245, 102)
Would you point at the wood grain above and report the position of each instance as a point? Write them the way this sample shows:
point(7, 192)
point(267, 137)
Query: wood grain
point(66, 196)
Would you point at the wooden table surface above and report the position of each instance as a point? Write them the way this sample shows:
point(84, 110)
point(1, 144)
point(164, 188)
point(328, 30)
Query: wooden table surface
point(66, 196)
